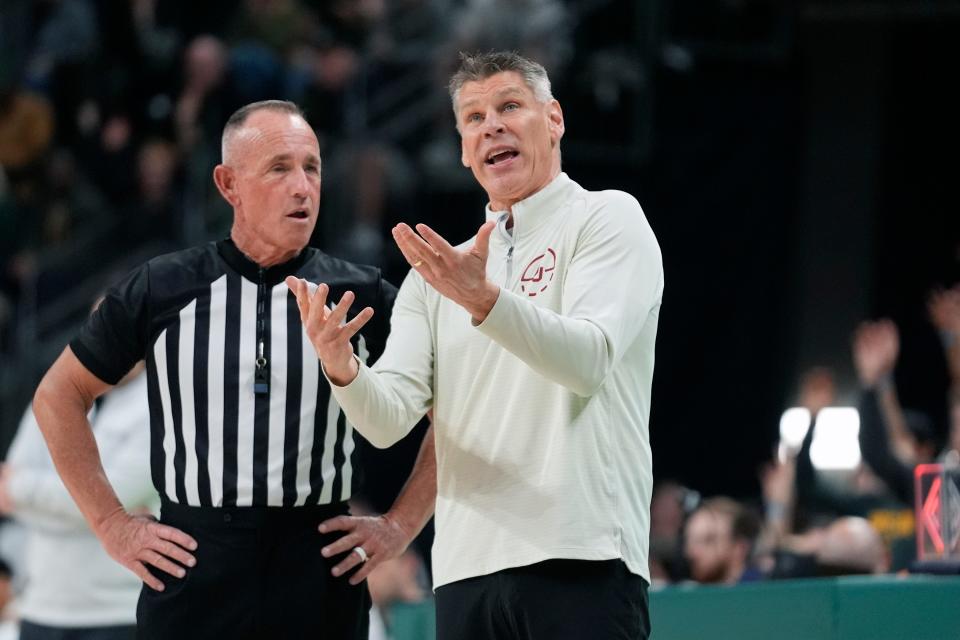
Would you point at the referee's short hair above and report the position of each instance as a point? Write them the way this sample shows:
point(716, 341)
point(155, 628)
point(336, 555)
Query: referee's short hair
point(240, 116)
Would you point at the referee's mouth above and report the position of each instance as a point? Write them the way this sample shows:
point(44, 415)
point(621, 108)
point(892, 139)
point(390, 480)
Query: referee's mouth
point(299, 214)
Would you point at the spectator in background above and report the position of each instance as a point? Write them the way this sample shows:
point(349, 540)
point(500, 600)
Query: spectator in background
point(62, 62)
point(400, 600)
point(944, 310)
point(851, 546)
point(206, 100)
point(542, 28)
point(72, 207)
point(669, 507)
point(810, 501)
point(278, 25)
point(109, 154)
point(719, 540)
point(155, 215)
point(26, 128)
point(892, 440)
point(200, 109)
point(72, 588)
point(8, 620)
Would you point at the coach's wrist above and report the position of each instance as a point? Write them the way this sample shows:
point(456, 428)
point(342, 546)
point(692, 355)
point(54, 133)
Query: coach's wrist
point(483, 304)
point(342, 376)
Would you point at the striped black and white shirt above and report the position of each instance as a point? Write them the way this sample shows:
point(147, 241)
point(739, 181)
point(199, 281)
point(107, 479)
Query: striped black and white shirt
point(240, 412)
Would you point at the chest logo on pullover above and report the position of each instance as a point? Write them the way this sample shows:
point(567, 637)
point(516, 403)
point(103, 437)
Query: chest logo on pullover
point(539, 273)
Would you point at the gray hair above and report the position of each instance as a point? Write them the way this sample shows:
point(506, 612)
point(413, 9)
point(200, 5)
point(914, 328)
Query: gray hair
point(480, 66)
point(240, 116)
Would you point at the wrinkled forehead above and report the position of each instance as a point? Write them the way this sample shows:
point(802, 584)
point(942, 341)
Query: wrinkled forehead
point(709, 520)
point(268, 133)
point(500, 85)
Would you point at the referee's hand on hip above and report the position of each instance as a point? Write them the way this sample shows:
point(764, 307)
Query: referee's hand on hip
point(138, 541)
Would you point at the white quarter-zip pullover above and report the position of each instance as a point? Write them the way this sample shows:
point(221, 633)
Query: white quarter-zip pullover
point(541, 411)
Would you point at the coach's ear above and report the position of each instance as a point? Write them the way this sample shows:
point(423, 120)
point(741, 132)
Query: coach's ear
point(226, 181)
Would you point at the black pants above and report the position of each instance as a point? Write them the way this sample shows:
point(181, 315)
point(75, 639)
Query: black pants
point(552, 600)
point(259, 574)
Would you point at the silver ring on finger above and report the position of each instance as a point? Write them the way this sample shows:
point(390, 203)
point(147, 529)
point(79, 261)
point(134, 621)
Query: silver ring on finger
point(360, 552)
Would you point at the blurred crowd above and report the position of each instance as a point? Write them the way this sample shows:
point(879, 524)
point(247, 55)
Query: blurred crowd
point(812, 522)
point(111, 114)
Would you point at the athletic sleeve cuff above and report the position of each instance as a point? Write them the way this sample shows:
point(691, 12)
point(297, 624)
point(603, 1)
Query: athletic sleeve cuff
point(93, 364)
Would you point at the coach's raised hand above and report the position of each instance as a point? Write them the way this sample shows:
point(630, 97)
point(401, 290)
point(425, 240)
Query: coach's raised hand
point(327, 331)
point(460, 275)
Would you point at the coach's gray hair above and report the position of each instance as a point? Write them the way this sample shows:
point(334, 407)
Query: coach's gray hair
point(480, 66)
point(240, 116)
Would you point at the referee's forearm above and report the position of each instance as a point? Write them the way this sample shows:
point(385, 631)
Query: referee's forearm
point(61, 409)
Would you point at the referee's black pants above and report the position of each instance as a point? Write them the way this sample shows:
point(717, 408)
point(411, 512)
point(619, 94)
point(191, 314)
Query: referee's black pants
point(551, 600)
point(259, 574)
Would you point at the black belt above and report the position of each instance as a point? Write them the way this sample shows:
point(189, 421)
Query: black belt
point(172, 513)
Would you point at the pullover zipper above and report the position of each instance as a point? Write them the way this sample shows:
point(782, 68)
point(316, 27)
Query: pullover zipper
point(502, 226)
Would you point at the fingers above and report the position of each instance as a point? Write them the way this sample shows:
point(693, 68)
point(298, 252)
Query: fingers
point(361, 574)
point(349, 562)
point(436, 241)
point(358, 321)
point(339, 523)
point(481, 246)
point(339, 312)
point(162, 563)
point(414, 260)
point(317, 311)
point(177, 553)
point(300, 292)
point(148, 578)
point(176, 536)
point(343, 545)
point(415, 249)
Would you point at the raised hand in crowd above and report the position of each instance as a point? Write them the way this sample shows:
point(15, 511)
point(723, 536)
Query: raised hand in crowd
point(876, 346)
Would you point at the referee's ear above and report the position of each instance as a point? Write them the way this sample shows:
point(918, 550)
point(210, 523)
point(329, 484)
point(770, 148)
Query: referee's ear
point(226, 181)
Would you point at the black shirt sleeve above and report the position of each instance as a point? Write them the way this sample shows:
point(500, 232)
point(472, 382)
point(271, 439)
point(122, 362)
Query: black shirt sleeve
point(113, 339)
point(380, 323)
point(812, 495)
point(876, 450)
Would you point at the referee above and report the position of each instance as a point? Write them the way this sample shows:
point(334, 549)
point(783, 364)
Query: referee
point(249, 452)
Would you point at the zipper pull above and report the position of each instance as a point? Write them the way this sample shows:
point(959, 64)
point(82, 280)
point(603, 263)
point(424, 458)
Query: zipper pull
point(261, 375)
point(261, 378)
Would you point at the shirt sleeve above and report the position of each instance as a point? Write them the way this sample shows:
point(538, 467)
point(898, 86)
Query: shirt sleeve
point(379, 327)
point(612, 284)
point(114, 337)
point(876, 450)
point(385, 402)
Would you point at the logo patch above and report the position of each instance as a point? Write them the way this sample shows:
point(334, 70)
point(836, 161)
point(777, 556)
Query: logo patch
point(539, 273)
